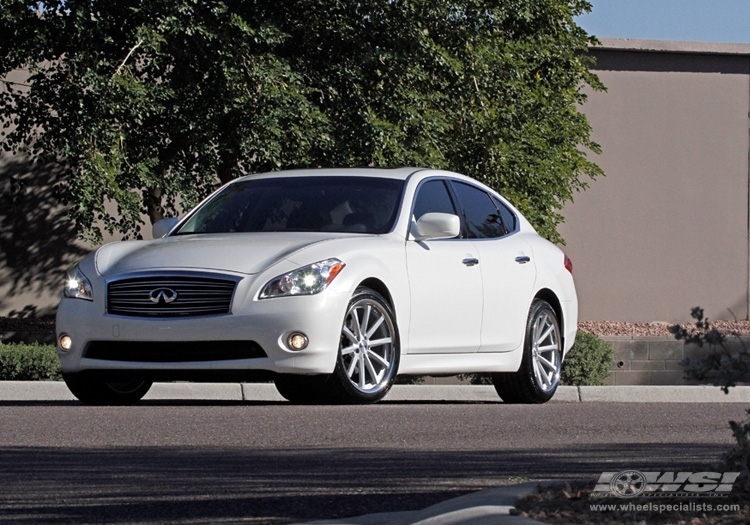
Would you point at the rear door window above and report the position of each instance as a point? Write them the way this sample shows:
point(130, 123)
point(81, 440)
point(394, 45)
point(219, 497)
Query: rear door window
point(509, 218)
point(481, 218)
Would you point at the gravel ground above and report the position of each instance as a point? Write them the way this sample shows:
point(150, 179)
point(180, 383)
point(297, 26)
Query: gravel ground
point(609, 328)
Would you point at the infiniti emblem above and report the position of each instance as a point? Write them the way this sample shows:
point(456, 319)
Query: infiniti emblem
point(162, 295)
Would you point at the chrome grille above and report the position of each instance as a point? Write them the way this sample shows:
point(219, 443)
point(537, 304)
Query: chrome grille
point(170, 296)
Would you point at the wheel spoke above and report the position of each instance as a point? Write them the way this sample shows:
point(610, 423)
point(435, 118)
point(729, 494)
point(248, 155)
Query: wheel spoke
point(547, 364)
point(352, 366)
point(546, 333)
point(375, 326)
point(361, 368)
point(379, 358)
point(365, 320)
point(348, 349)
point(541, 377)
point(350, 335)
point(357, 333)
point(549, 348)
point(380, 342)
point(375, 376)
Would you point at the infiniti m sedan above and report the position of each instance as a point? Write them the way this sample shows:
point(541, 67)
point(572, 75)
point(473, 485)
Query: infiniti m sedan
point(328, 282)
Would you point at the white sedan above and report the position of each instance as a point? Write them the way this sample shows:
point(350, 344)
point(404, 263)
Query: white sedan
point(330, 283)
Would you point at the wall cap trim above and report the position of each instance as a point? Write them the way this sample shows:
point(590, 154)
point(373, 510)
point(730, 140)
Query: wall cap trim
point(672, 46)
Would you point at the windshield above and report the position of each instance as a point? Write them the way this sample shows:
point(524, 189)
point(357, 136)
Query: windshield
point(318, 204)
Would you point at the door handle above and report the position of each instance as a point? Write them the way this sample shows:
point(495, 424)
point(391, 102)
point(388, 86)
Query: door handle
point(523, 259)
point(470, 261)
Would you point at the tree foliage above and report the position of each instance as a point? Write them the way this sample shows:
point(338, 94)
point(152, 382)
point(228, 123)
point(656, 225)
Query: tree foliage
point(150, 104)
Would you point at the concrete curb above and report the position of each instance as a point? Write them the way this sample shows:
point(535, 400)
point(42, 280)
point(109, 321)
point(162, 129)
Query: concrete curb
point(665, 394)
point(263, 392)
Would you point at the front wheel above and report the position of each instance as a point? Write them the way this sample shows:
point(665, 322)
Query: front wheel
point(537, 379)
point(368, 354)
point(93, 389)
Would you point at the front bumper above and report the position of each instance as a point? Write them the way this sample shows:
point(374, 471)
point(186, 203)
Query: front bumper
point(252, 338)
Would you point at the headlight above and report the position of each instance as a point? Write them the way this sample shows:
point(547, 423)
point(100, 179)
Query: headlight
point(77, 286)
point(307, 280)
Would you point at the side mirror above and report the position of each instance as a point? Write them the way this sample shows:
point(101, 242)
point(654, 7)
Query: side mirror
point(436, 226)
point(163, 227)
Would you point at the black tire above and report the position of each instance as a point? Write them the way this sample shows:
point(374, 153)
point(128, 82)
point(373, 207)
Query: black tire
point(303, 390)
point(369, 350)
point(537, 379)
point(93, 389)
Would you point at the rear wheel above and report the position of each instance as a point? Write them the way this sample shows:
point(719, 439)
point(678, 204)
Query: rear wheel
point(537, 379)
point(93, 389)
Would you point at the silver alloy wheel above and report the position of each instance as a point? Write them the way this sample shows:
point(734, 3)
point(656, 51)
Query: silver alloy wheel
point(367, 346)
point(545, 351)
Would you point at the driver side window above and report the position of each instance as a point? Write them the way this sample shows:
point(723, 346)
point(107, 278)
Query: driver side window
point(433, 196)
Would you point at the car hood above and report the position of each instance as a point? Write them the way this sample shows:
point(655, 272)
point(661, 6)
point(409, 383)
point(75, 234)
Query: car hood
point(246, 253)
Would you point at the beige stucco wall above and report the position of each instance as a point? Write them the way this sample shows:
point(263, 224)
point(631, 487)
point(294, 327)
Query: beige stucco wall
point(667, 228)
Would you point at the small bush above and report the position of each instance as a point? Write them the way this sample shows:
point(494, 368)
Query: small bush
point(725, 367)
point(588, 363)
point(23, 362)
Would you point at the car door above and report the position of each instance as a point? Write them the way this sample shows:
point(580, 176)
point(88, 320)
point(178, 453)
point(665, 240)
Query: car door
point(506, 263)
point(444, 282)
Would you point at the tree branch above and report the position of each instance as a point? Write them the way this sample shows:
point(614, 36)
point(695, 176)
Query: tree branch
point(122, 64)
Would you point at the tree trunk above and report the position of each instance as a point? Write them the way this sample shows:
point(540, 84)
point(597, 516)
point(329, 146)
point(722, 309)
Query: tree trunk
point(153, 205)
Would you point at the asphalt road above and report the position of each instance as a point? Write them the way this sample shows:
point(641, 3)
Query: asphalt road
point(198, 462)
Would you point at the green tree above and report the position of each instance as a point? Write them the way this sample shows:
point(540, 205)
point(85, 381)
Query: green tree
point(147, 102)
point(153, 102)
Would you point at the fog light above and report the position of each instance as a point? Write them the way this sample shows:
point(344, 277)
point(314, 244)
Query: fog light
point(298, 341)
point(66, 343)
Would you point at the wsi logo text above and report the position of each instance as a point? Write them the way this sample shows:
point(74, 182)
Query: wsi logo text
point(632, 483)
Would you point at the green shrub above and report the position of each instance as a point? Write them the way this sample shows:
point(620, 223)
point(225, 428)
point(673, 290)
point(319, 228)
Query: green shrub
point(24, 362)
point(727, 364)
point(588, 363)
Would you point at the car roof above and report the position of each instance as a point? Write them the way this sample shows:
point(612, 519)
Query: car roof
point(387, 173)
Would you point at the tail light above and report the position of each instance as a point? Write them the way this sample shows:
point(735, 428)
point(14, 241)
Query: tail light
point(568, 264)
